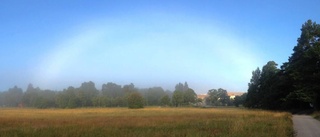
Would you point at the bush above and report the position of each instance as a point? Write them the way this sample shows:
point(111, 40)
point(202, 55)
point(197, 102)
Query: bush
point(135, 100)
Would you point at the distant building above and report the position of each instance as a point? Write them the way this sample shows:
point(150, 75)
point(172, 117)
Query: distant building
point(202, 96)
point(232, 95)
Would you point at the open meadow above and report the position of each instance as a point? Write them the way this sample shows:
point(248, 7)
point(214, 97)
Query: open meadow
point(155, 122)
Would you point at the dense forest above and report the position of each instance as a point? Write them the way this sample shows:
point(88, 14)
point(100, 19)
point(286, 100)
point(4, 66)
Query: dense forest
point(296, 84)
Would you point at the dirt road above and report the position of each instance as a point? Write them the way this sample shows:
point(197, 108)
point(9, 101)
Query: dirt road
point(306, 126)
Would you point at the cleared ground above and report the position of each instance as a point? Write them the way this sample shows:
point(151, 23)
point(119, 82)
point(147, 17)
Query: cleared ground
point(306, 126)
point(220, 122)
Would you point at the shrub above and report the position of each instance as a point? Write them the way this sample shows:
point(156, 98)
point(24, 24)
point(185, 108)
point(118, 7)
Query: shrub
point(135, 100)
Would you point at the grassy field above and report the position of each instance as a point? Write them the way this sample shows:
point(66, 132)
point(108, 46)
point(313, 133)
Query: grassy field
point(153, 122)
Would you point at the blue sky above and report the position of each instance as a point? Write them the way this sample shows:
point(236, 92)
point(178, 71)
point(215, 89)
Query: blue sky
point(208, 43)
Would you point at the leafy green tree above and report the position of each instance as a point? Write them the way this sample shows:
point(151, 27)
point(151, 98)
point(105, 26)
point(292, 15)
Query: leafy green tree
point(112, 95)
point(48, 99)
point(189, 96)
point(13, 97)
point(177, 98)
point(96, 101)
point(224, 98)
point(105, 101)
point(240, 100)
point(30, 97)
point(68, 98)
point(72, 100)
point(119, 102)
point(237, 101)
point(179, 87)
point(212, 98)
point(217, 97)
point(183, 95)
point(87, 91)
point(297, 100)
point(182, 87)
point(2, 99)
point(112, 90)
point(185, 86)
point(135, 100)
point(129, 88)
point(153, 96)
point(61, 100)
point(165, 100)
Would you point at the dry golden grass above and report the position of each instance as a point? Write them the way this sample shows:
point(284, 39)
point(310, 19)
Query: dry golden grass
point(155, 122)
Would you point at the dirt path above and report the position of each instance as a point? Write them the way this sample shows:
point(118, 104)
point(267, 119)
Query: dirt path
point(306, 126)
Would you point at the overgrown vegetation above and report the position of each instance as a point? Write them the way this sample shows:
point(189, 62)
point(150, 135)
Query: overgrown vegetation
point(156, 122)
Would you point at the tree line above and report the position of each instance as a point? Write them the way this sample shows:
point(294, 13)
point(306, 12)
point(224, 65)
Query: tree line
point(114, 95)
point(110, 95)
point(296, 84)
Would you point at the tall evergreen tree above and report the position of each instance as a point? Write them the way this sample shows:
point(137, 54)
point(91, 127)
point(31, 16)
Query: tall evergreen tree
point(252, 99)
point(304, 67)
point(268, 86)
